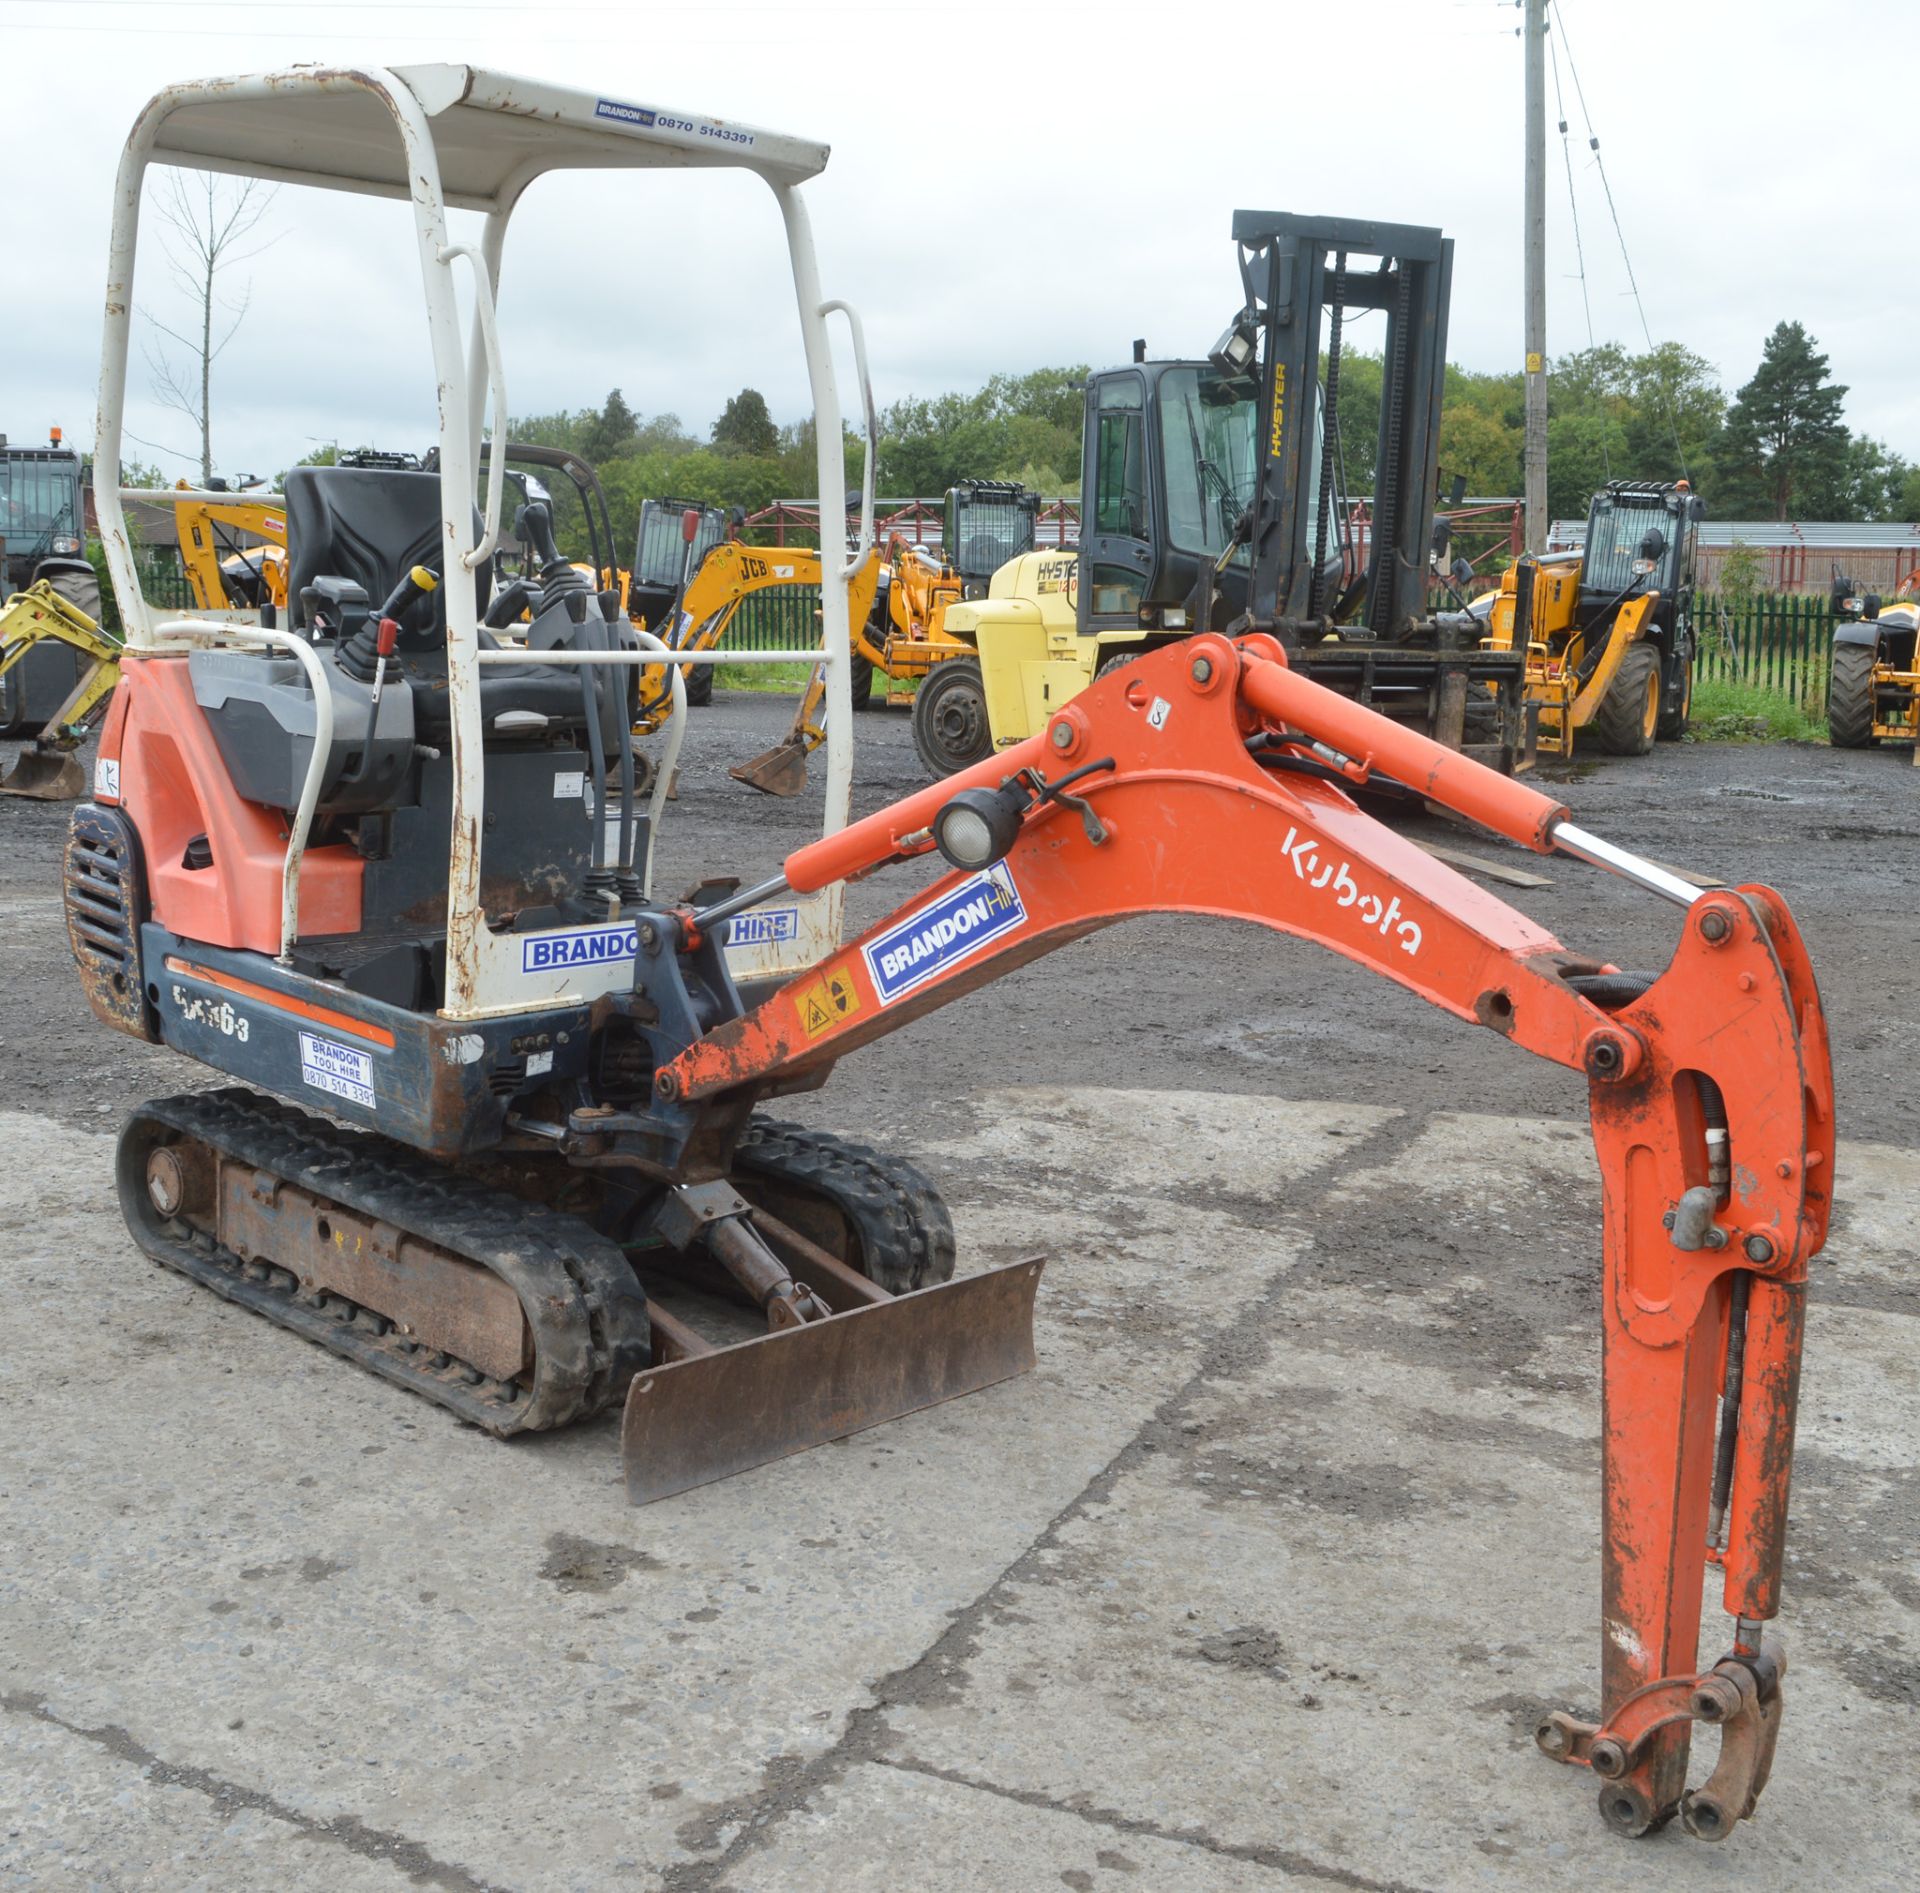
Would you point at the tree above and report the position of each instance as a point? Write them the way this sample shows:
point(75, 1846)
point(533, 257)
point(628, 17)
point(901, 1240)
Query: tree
point(745, 427)
point(1785, 447)
point(1615, 416)
point(609, 434)
point(1873, 481)
point(211, 219)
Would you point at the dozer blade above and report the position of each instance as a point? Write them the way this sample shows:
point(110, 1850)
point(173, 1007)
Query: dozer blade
point(716, 1414)
point(46, 775)
point(781, 770)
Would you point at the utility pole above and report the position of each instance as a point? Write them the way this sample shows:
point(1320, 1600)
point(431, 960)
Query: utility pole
point(1535, 34)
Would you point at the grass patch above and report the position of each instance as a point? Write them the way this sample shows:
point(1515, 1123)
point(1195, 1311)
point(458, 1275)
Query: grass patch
point(786, 680)
point(789, 680)
point(1728, 712)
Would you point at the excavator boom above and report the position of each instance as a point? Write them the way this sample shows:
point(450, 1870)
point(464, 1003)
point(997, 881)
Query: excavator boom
point(1211, 778)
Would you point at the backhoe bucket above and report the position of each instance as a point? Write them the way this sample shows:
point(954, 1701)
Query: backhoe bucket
point(46, 775)
point(781, 770)
point(715, 1414)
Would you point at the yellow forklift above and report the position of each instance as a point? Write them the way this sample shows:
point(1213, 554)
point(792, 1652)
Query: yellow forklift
point(1213, 497)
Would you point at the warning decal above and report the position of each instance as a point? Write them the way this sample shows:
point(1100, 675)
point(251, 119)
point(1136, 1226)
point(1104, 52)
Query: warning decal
point(829, 1001)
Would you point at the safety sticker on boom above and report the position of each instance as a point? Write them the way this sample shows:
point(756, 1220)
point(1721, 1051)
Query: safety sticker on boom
point(830, 998)
point(953, 929)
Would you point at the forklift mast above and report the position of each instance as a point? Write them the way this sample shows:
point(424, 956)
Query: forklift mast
point(1303, 275)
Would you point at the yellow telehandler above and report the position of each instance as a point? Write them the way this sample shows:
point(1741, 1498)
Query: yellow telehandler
point(1608, 628)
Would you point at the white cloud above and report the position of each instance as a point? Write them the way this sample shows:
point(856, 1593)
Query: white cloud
point(1010, 186)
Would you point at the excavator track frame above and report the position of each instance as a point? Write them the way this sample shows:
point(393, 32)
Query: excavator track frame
point(247, 1162)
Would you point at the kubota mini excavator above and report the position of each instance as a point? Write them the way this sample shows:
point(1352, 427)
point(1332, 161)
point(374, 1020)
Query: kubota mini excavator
point(542, 1085)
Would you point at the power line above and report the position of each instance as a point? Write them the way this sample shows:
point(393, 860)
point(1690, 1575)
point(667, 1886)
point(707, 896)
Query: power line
point(1579, 247)
point(1600, 165)
point(1573, 204)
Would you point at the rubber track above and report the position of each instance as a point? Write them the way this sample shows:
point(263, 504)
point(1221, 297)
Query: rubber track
point(904, 1230)
point(587, 1313)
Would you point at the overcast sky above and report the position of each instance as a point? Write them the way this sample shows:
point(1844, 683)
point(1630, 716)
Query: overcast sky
point(1010, 186)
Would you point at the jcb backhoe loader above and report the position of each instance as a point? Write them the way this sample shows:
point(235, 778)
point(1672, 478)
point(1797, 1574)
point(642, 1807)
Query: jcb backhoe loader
point(1211, 496)
point(542, 1084)
point(222, 572)
point(1608, 630)
point(988, 522)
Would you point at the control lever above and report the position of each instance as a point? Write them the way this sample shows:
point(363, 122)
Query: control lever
point(421, 582)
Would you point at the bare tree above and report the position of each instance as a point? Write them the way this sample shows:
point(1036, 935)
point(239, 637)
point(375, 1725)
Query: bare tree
point(211, 219)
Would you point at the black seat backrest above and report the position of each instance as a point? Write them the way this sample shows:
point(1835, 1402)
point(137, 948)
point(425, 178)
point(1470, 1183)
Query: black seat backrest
point(370, 525)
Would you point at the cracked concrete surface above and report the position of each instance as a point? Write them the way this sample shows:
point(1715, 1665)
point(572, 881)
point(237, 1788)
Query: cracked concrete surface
point(1261, 1578)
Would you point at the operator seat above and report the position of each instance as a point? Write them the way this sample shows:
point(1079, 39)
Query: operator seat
point(372, 525)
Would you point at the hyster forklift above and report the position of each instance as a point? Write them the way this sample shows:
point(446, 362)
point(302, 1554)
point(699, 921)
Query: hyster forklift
point(1213, 498)
point(489, 1088)
point(1608, 629)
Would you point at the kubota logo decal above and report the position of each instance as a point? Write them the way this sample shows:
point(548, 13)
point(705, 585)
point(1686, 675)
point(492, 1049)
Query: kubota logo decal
point(1337, 880)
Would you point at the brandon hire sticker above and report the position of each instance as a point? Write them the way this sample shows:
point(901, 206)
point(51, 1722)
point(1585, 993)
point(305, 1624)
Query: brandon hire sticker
point(582, 946)
point(766, 926)
point(335, 1068)
point(953, 929)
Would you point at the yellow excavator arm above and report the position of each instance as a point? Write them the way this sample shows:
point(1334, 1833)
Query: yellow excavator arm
point(202, 552)
point(46, 770)
point(730, 574)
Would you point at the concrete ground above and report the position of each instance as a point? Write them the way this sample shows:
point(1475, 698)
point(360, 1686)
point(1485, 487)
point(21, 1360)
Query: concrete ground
point(1261, 1578)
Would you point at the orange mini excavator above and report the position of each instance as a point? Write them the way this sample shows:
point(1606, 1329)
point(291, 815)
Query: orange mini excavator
point(542, 1087)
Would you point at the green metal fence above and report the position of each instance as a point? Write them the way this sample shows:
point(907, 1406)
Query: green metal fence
point(1779, 642)
point(163, 583)
point(784, 619)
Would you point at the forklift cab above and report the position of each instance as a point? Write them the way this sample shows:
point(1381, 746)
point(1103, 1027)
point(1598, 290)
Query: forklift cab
point(1170, 465)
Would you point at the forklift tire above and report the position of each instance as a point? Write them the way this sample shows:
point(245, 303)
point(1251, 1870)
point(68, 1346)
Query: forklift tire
point(1850, 697)
point(950, 727)
point(699, 686)
point(1630, 711)
point(1676, 703)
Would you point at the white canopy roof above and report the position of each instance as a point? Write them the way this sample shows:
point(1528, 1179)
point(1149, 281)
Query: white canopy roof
point(492, 131)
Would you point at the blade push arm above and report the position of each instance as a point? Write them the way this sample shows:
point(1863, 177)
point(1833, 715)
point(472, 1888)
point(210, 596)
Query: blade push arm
point(1204, 787)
